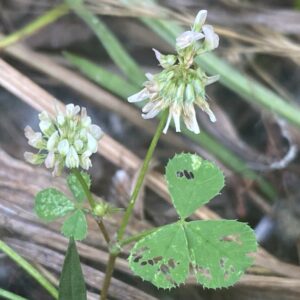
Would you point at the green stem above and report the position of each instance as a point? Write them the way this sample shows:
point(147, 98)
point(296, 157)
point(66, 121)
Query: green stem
point(92, 203)
point(11, 296)
point(47, 18)
point(128, 212)
point(29, 269)
point(137, 237)
point(108, 275)
point(141, 176)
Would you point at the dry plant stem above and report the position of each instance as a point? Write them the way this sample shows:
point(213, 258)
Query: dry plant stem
point(92, 203)
point(129, 210)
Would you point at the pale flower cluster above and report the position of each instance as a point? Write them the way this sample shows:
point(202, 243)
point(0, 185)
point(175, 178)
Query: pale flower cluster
point(181, 83)
point(66, 141)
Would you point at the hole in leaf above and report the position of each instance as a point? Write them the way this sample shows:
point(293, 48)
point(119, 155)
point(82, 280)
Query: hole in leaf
point(143, 263)
point(226, 275)
point(137, 258)
point(157, 259)
point(205, 272)
point(164, 269)
point(232, 269)
point(187, 174)
point(171, 263)
point(151, 262)
point(235, 238)
point(222, 262)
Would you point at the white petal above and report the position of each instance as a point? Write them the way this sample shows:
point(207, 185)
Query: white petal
point(176, 117)
point(72, 159)
point(200, 20)
point(96, 131)
point(85, 161)
point(149, 76)
point(151, 114)
point(72, 110)
point(63, 147)
point(167, 123)
point(211, 115)
point(140, 96)
point(187, 38)
point(212, 79)
point(211, 38)
point(58, 166)
point(78, 144)
point(50, 160)
point(92, 143)
point(43, 116)
point(53, 140)
point(29, 133)
point(148, 107)
point(158, 55)
point(190, 119)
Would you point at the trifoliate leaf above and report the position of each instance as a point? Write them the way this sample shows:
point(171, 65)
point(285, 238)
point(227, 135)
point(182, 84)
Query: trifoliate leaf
point(75, 226)
point(51, 204)
point(215, 251)
point(71, 284)
point(192, 182)
point(76, 187)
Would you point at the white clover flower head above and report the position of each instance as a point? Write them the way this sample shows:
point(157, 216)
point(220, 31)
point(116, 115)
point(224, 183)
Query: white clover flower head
point(68, 140)
point(181, 84)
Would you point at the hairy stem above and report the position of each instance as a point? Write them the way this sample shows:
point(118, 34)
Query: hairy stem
point(129, 210)
point(47, 18)
point(29, 269)
point(92, 203)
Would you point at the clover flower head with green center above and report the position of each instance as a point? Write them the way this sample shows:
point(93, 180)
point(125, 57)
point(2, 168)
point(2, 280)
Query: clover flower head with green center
point(68, 140)
point(181, 83)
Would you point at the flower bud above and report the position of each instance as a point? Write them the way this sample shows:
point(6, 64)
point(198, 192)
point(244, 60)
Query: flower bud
point(72, 159)
point(91, 143)
point(50, 160)
point(63, 147)
point(85, 161)
point(199, 20)
point(165, 61)
point(53, 140)
point(35, 159)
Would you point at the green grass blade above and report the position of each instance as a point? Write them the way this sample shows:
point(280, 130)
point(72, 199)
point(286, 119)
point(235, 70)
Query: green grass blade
point(9, 295)
point(101, 76)
point(29, 269)
point(112, 45)
point(42, 21)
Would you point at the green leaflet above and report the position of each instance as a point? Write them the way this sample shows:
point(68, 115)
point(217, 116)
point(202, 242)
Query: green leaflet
point(51, 204)
point(215, 251)
point(76, 187)
point(71, 284)
point(75, 226)
point(192, 182)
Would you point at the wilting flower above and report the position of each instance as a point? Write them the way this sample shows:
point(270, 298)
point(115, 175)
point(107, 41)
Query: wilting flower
point(182, 82)
point(66, 141)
